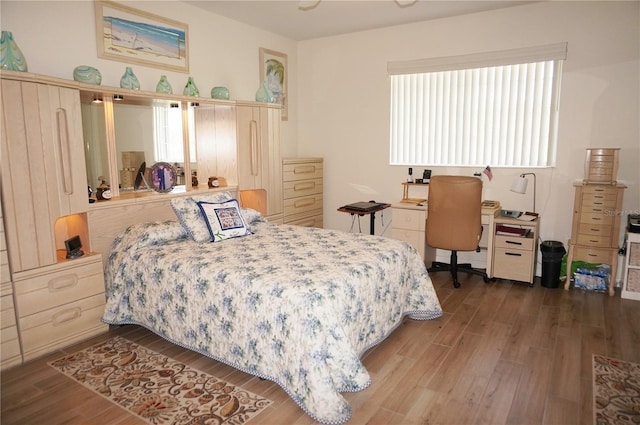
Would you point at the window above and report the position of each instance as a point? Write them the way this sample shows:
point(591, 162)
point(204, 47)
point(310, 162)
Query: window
point(167, 134)
point(497, 108)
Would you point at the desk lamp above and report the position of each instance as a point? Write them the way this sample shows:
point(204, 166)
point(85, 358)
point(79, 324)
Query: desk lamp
point(520, 186)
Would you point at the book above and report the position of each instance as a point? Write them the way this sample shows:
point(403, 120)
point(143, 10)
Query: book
point(528, 216)
point(511, 231)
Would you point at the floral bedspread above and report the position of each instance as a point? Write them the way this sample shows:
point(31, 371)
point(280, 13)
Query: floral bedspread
point(294, 305)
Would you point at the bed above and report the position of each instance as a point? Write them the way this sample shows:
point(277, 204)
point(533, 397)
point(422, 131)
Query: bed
point(298, 306)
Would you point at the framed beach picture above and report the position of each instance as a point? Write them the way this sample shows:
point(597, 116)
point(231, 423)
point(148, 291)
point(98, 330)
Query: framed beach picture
point(133, 36)
point(273, 68)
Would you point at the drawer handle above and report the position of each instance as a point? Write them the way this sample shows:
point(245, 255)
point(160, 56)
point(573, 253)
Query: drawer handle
point(63, 282)
point(304, 203)
point(595, 218)
point(595, 230)
point(304, 169)
point(66, 316)
point(513, 254)
point(514, 242)
point(594, 241)
point(304, 186)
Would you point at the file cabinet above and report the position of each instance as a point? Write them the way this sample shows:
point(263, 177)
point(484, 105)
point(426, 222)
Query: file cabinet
point(514, 257)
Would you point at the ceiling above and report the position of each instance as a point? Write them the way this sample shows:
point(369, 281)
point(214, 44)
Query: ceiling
point(333, 17)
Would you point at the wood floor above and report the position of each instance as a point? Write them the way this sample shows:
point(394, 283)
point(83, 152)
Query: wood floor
point(503, 353)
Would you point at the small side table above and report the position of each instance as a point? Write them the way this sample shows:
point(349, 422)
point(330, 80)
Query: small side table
point(371, 213)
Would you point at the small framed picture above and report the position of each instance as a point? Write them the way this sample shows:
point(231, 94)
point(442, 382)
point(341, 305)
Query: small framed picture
point(162, 176)
point(273, 68)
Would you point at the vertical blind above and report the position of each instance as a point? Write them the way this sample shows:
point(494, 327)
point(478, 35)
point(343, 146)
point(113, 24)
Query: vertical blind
point(463, 111)
point(167, 134)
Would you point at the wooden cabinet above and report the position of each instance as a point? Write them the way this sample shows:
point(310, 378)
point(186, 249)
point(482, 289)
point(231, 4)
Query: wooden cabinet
point(514, 257)
point(259, 154)
point(43, 169)
point(596, 226)
point(10, 350)
point(409, 224)
point(59, 304)
point(303, 191)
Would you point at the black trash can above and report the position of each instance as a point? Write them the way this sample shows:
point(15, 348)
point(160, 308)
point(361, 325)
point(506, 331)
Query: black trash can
point(552, 253)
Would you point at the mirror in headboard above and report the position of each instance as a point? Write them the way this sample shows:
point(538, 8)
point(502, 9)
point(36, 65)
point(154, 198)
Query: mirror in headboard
point(142, 129)
point(95, 139)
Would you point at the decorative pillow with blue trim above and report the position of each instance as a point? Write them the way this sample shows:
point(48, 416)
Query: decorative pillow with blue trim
point(224, 220)
point(190, 215)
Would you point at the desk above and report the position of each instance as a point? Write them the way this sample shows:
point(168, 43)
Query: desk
point(372, 213)
point(506, 258)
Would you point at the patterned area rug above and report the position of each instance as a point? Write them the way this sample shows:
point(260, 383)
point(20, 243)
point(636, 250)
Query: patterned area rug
point(616, 391)
point(158, 389)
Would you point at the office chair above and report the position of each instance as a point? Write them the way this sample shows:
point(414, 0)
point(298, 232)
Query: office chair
point(453, 221)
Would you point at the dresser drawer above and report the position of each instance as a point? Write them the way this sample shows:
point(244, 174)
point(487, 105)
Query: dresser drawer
point(52, 286)
point(295, 189)
point(593, 255)
point(44, 331)
point(601, 200)
point(409, 219)
point(597, 217)
point(10, 348)
point(594, 240)
point(513, 264)
point(303, 204)
point(599, 189)
point(513, 242)
point(301, 171)
point(308, 221)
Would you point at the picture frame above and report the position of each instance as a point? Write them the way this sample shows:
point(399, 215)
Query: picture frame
point(162, 177)
point(273, 68)
point(134, 36)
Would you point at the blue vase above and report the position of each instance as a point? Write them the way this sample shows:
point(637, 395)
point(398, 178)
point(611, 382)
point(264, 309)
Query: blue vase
point(220, 93)
point(190, 89)
point(264, 94)
point(164, 86)
point(129, 80)
point(87, 74)
point(11, 57)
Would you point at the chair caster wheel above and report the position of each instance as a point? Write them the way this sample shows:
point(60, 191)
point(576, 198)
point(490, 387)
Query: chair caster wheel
point(486, 279)
point(456, 284)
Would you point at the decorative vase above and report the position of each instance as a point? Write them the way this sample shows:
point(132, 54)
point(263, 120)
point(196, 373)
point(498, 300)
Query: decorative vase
point(87, 74)
point(164, 86)
point(190, 89)
point(129, 80)
point(264, 94)
point(11, 57)
point(220, 93)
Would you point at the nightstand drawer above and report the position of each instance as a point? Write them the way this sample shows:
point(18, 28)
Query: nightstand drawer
point(61, 325)
point(56, 285)
point(409, 219)
point(307, 221)
point(513, 242)
point(295, 189)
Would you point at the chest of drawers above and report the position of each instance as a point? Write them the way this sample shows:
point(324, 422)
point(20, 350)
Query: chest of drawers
point(59, 304)
point(596, 225)
point(303, 189)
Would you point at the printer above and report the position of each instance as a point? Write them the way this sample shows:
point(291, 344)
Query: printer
point(634, 223)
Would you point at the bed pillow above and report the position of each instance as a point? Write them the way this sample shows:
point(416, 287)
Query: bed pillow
point(224, 220)
point(190, 215)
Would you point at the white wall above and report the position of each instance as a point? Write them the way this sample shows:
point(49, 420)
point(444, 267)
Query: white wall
point(57, 36)
point(344, 102)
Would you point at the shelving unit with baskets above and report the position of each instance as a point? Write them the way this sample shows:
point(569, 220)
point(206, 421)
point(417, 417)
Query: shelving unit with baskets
point(631, 282)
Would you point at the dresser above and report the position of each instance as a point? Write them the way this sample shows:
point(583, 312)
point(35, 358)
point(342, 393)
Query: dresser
point(60, 304)
point(596, 225)
point(303, 191)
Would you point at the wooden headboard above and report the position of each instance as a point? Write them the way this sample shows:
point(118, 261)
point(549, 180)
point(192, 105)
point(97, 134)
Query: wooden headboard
point(107, 219)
